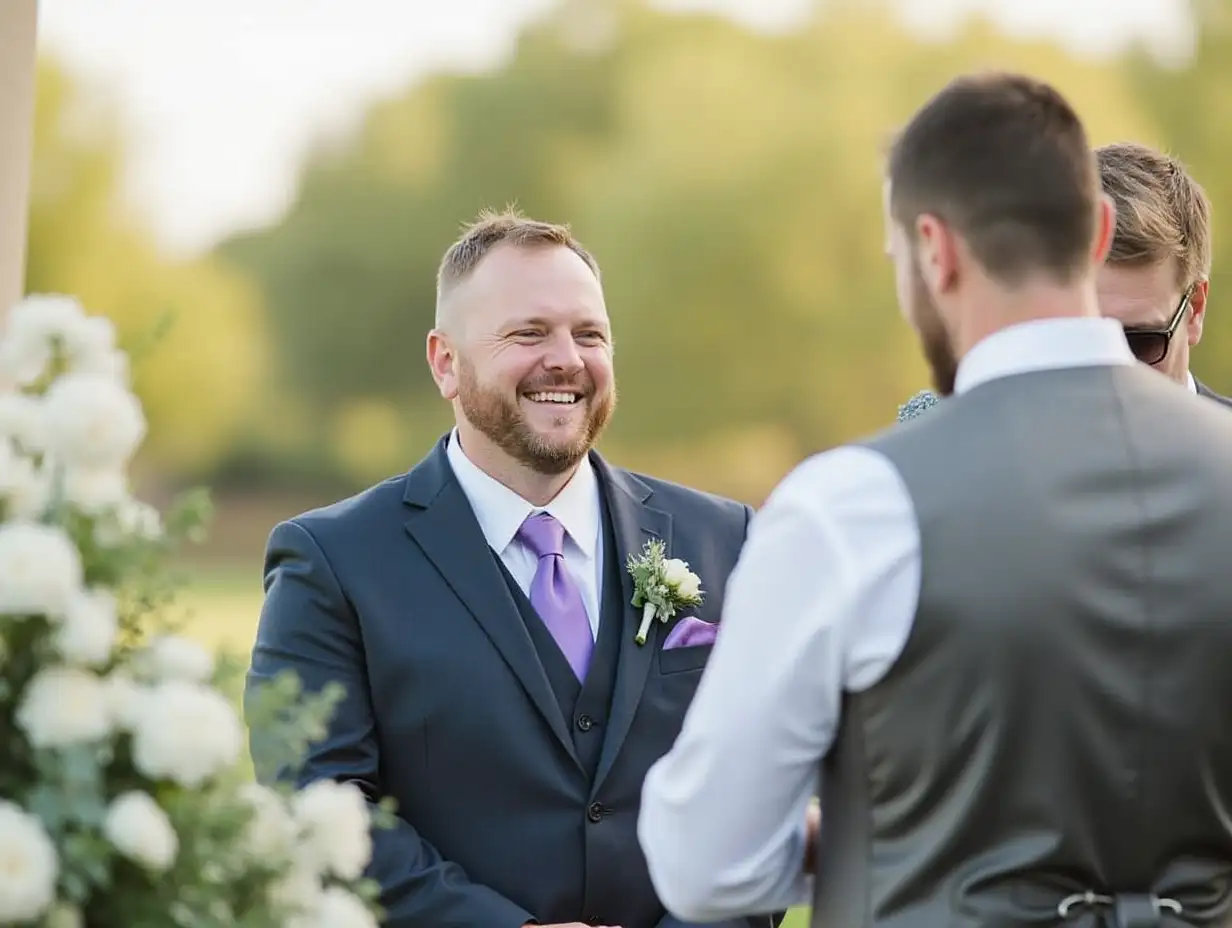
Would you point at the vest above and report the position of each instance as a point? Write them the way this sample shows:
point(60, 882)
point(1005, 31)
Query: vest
point(1054, 744)
point(585, 706)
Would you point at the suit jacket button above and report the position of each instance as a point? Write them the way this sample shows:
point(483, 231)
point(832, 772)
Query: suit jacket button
point(595, 812)
point(585, 722)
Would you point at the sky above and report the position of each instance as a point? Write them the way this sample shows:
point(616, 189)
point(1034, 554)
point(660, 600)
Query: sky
point(220, 99)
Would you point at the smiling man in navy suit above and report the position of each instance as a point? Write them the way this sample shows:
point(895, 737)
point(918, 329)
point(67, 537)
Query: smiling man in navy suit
point(479, 613)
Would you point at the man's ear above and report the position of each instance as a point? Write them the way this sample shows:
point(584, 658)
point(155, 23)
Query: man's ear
point(442, 361)
point(1105, 229)
point(1197, 312)
point(936, 252)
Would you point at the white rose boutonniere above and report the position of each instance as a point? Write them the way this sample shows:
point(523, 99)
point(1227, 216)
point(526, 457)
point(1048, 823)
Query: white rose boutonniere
point(661, 585)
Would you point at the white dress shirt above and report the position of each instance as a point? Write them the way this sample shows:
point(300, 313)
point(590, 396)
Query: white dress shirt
point(823, 596)
point(1189, 380)
point(501, 512)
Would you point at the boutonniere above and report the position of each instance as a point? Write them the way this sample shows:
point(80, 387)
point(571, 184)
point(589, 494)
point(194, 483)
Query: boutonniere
point(661, 585)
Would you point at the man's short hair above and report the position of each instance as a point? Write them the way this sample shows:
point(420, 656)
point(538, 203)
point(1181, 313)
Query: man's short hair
point(1003, 159)
point(492, 228)
point(1161, 212)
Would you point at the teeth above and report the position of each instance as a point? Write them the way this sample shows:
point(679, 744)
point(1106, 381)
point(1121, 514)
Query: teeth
point(552, 397)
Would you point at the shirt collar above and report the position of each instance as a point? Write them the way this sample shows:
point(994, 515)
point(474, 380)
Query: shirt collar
point(1193, 384)
point(1044, 344)
point(501, 512)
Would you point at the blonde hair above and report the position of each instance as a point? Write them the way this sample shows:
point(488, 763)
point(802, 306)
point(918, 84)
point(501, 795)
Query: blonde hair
point(1161, 212)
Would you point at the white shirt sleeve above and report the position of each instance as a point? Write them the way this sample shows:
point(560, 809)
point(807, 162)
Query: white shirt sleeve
point(821, 602)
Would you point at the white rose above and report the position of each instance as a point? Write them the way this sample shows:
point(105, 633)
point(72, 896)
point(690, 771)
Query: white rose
point(94, 491)
point(22, 419)
point(44, 316)
point(24, 488)
point(678, 576)
point(29, 866)
point(90, 348)
point(337, 837)
point(124, 699)
point(89, 630)
point(64, 706)
point(141, 831)
point(23, 359)
point(40, 569)
point(93, 422)
point(271, 833)
point(341, 909)
point(174, 657)
point(298, 894)
point(185, 732)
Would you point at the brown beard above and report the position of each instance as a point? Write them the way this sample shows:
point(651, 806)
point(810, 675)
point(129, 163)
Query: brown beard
point(934, 338)
point(498, 416)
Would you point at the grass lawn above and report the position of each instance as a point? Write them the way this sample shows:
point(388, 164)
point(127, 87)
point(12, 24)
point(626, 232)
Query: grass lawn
point(224, 607)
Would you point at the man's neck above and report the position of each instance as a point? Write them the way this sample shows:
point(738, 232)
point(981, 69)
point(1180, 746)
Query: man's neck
point(536, 488)
point(1002, 309)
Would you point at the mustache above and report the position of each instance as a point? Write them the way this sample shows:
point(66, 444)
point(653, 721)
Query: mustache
point(582, 386)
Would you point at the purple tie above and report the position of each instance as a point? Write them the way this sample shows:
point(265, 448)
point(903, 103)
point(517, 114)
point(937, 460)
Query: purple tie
point(554, 594)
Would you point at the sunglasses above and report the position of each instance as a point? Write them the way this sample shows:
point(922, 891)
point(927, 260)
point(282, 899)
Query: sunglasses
point(1150, 346)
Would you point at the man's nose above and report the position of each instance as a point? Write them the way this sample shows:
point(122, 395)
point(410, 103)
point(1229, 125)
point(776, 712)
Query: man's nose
point(562, 353)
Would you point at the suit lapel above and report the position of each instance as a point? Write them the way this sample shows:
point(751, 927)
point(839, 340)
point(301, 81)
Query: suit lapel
point(444, 526)
point(634, 523)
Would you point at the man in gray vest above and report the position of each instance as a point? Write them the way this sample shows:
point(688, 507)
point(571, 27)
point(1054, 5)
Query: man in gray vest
point(1001, 632)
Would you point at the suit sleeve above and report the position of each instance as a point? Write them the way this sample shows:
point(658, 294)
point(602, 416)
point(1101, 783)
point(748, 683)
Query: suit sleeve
point(308, 626)
point(755, 921)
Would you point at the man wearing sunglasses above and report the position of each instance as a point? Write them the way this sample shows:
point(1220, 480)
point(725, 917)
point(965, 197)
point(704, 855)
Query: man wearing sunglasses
point(1156, 278)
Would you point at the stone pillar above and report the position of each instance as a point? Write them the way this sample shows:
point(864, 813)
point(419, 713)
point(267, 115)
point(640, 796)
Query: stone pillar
point(18, 29)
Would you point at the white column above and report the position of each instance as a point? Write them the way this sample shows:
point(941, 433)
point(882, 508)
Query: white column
point(18, 30)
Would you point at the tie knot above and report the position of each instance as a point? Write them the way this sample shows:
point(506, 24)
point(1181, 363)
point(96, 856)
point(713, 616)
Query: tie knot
point(543, 534)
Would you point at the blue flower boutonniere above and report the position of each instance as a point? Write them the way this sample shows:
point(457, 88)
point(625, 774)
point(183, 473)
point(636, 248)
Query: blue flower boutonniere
point(918, 405)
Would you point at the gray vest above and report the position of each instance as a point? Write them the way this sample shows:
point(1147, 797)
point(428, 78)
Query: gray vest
point(1054, 744)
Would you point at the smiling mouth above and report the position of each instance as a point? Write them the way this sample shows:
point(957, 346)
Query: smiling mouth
point(555, 397)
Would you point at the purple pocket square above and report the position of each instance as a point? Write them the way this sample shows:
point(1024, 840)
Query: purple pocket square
point(690, 632)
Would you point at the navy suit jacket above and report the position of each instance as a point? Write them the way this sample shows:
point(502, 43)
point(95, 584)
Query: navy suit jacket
point(1204, 390)
point(395, 594)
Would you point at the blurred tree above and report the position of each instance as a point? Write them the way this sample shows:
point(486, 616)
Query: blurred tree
point(1190, 102)
point(729, 182)
point(200, 378)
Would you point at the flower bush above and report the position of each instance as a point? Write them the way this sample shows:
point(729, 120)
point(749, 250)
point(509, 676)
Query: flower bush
point(125, 794)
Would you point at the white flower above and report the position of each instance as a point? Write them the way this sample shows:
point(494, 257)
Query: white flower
point(336, 826)
point(141, 831)
point(297, 893)
point(174, 657)
point(24, 488)
point(40, 569)
point(64, 706)
point(22, 419)
point(93, 491)
point(89, 630)
point(341, 909)
point(271, 832)
point(29, 866)
point(90, 348)
point(677, 575)
point(93, 422)
point(124, 699)
point(185, 732)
